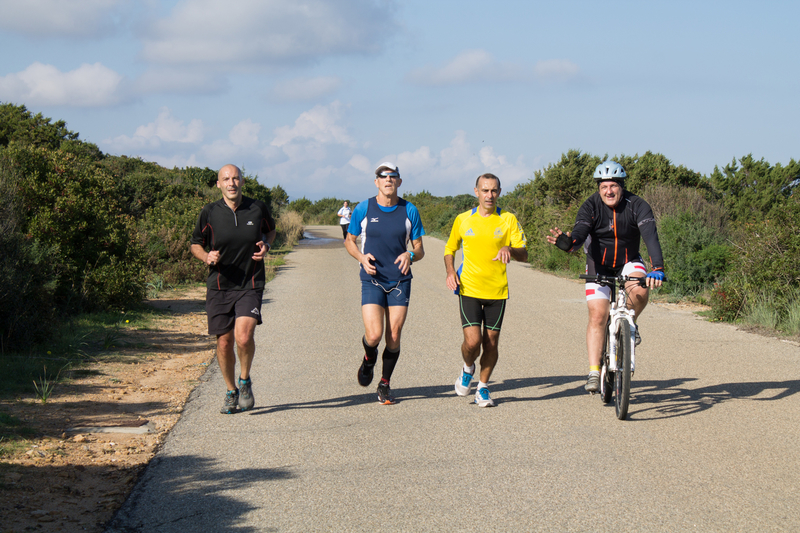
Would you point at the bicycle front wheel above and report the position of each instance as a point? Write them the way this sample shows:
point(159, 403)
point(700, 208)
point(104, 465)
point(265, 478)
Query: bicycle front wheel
point(606, 377)
point(622, 377)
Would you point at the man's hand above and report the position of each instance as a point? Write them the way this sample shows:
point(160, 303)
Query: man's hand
point(655, 279)
point(261, 251)
point(452, 281)
point(560, 239)
point(503, 255)
point(212, 258)
point(405, 262)
point(366, 261)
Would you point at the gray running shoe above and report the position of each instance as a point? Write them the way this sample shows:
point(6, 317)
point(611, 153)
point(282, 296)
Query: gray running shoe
point(385, 394)
point(482, 398)
point(231, 400)
point(593, 382)
point(246, 400)
point(638, 339)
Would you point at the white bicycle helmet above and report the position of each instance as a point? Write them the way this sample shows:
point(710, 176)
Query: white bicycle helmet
point(609, 170)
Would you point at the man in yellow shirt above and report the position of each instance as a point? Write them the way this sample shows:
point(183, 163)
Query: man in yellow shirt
point(491, 238)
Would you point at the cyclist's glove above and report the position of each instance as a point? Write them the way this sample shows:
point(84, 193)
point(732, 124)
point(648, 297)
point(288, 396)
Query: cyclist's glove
point(657, 274)
point(564, 242)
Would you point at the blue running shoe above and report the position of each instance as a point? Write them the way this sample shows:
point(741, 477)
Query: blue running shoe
point(463, 383)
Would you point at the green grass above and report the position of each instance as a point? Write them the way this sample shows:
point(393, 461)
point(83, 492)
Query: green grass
point(83, 338)
point(13, 434)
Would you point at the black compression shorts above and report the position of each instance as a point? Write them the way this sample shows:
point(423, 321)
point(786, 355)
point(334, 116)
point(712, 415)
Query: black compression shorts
point(476, 311)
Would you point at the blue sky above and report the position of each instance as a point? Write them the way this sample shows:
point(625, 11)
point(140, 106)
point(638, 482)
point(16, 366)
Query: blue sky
point(313, 94)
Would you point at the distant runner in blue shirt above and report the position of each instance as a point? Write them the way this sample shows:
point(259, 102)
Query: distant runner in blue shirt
point(386, 224)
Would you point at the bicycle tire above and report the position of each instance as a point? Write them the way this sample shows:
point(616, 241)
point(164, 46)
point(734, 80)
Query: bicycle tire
point(622, 378)
point(606, 377)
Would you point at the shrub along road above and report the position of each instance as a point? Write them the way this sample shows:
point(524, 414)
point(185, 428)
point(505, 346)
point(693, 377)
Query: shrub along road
point(710, 444)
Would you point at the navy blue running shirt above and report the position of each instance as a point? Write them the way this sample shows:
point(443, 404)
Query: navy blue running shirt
point(234, 234)
point(385, 233)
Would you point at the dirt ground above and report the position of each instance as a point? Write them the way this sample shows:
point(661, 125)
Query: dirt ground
point(79, 470)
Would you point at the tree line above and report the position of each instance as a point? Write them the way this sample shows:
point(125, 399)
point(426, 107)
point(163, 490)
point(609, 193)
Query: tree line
point(730, 239)
point(81, 230)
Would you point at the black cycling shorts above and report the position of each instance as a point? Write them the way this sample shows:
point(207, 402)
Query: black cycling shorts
point(477, 311)
point(224, 307)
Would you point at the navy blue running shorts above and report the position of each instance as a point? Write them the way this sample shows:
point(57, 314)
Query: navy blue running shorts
point(386, 294)
point(477, 311)
point(224, 307)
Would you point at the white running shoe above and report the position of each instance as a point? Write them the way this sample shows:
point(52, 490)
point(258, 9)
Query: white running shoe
point(463, 383)
point(483, 399)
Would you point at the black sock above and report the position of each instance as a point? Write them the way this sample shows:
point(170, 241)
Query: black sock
point(389, 360)
point(371, 352)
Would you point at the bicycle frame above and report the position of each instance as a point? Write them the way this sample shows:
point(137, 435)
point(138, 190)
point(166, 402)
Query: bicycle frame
point(619, 311)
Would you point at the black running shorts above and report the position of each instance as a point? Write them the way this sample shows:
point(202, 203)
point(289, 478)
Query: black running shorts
point(476, 311)
point(224, 307)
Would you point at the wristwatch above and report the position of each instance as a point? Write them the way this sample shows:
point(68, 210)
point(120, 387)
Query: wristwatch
point(412, 255)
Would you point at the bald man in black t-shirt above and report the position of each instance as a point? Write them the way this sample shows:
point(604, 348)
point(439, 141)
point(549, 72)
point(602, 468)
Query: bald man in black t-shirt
point(237, 232)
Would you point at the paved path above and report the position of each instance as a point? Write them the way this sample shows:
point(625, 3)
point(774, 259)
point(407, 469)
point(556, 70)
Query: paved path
point(711, 443)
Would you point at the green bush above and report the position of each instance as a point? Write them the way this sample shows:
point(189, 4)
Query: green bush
point(693, 255)
point(66, 203)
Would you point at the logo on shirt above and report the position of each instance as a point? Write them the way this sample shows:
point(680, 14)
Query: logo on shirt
point(498, 232)
point(375, 219)
point(470, 233)
point(249, 222)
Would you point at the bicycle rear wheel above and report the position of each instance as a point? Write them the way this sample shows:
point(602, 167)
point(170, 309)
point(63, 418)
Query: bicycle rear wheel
point(622, 377)
point(606, 377)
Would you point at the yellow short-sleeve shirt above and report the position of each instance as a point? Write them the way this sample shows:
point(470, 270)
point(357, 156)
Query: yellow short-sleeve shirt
point(482, 237)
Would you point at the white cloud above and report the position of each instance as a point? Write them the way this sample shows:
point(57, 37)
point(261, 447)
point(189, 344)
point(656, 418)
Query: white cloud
point(87, 86)
point(470, 66)
point(318, 125)
point(316, 156)
point(555, 70)
point(245, 134)
point(244, 33)
point(305, 89)
point(164, 132)
point(60, 18)
point(361, 164)
point(479, 66)
point(454, 169)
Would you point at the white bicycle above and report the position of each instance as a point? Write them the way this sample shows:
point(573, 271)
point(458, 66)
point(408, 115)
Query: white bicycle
point(618, 362)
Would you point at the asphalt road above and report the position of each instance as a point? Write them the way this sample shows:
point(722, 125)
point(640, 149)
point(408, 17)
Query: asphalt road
point(711, 443)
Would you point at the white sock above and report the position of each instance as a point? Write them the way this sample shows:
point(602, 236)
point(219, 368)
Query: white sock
point(594, 372)
point(469, 369)
point(482, 385)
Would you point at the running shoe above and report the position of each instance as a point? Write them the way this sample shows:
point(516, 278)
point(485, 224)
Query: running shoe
point(231, 400)
point(638, 340)
point(463, 383)
point(365, 373)
point(384, 394)
point(482, 398)
point(593, 382)
point(246, 400)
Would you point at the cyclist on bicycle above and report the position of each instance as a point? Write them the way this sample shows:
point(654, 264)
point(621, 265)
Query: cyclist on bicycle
point(610, 224)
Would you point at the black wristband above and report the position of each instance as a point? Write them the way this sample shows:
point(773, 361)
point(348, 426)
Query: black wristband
point(564, 242)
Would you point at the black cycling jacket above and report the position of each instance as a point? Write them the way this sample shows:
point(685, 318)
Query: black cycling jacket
point(615, 232)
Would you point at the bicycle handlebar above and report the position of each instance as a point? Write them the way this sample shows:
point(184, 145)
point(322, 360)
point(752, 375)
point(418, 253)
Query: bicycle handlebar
point(608, 280)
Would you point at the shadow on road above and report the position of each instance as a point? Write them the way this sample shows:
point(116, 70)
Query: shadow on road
point(190, 499)
point(670, 398)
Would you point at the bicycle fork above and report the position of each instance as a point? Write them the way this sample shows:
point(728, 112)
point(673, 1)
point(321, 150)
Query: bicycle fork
point(613, 329)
